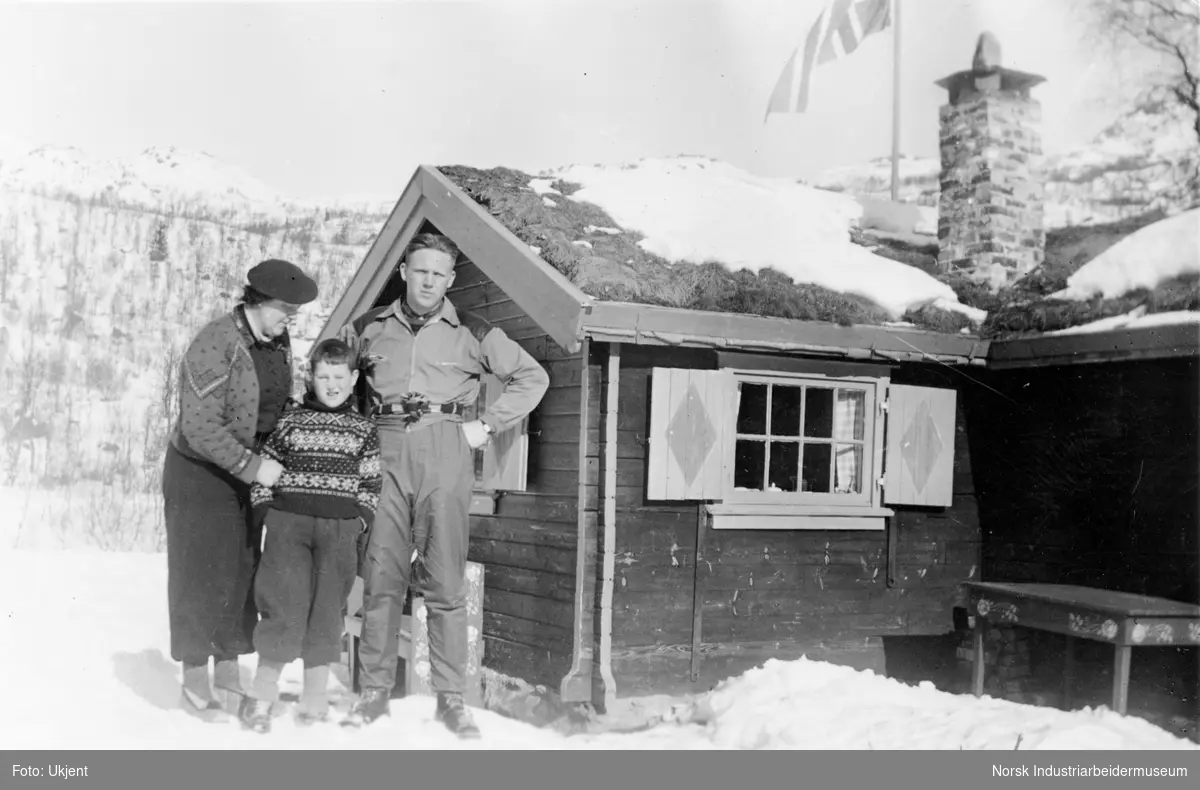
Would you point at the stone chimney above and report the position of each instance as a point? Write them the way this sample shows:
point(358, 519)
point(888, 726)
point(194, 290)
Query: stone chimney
point(990, 225)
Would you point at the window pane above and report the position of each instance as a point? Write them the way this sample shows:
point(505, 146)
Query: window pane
point(847, 472)
point(785, 466)
point(749, 461)
point(818, 412)
point(752, 412)
point(785, 410)
point(816, 467)
point(850, 415)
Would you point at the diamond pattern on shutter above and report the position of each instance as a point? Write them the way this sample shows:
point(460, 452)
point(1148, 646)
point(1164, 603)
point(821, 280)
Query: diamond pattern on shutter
point(692, 434)
point(921, 446)
point(691, 421)
point(919, 464)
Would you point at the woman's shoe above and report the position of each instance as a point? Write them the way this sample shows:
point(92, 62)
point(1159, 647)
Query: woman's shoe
point(206, 710)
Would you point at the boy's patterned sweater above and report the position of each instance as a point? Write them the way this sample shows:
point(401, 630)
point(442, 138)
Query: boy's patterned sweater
point(331, 463)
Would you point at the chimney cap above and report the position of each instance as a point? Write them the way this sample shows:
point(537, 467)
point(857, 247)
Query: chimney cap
point(987, 53)
point(986, 75)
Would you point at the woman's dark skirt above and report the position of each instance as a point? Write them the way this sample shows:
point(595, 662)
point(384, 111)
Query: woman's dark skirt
point(212, 551)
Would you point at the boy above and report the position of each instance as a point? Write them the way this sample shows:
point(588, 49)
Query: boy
point(313, 518)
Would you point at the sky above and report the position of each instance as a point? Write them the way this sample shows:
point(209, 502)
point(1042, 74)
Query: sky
point(345, 99)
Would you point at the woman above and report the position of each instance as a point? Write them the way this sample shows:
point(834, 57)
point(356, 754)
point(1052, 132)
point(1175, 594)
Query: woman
point(235, 380)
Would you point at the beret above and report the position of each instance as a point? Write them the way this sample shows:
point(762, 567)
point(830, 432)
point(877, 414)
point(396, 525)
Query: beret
point(282, 280)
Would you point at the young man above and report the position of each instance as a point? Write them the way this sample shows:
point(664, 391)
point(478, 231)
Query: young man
point(423, 361)
point(313, 516)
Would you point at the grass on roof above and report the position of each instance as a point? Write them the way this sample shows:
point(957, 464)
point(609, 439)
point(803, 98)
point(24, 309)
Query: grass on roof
point(1026, 308)
point(1045, 315)
point(574, 237)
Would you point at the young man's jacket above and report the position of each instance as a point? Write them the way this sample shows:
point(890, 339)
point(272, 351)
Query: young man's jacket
point(444, 360)
point(331, 463)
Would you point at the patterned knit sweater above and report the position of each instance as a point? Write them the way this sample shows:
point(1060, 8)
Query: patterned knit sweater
point(330, 460)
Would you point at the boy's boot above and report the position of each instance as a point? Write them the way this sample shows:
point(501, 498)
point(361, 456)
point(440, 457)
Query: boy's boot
point(314, 699)
point(371, 704)
point(452, 712)
point(255, 707)
point(227, 683)
point(196, 697)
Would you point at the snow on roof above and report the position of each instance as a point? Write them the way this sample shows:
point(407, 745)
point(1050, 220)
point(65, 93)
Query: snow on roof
point(1134, 319)
point(1143, 259)
point(697, 210)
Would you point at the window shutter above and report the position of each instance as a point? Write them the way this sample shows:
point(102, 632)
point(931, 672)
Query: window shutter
point(506, 456)
point(692, 415)
point(919, 464)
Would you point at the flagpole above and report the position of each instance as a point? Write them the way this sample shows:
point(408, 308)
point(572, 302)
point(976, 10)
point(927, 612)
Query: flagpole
point(896, 100)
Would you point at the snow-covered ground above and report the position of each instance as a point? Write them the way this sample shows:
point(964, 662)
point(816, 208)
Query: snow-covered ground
point(87, 657)
point(696, 209)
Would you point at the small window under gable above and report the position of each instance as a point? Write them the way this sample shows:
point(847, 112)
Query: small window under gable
point(776, 450)
point(501, 464)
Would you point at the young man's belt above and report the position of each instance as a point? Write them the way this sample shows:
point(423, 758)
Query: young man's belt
point(417, 409)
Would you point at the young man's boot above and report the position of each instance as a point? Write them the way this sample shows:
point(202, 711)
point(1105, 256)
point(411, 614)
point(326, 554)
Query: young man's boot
point(452, 712)
point(371, 704)
point(196, 697)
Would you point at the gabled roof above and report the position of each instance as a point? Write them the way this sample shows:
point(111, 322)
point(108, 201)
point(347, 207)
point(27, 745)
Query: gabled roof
point(548, 297)
point(568, 314)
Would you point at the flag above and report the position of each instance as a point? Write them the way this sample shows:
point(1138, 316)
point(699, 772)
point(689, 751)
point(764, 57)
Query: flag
point(838, 31)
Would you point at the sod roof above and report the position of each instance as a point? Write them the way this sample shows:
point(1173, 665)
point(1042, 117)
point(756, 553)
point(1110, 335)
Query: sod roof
point(605, 261)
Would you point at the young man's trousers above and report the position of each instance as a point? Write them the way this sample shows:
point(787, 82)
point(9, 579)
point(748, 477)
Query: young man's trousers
point(428, 474)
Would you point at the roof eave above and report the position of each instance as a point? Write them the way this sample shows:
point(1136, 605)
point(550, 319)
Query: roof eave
point(1152, 342)
point(628, 322)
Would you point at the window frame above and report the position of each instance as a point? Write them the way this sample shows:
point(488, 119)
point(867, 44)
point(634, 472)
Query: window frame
point(811, 510)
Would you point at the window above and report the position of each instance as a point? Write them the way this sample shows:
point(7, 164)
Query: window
point(501, 464)
point(803, 439)
point(774, 450)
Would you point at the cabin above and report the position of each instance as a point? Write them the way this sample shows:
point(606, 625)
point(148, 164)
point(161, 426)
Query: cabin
point(731, 467)
point(698, 491)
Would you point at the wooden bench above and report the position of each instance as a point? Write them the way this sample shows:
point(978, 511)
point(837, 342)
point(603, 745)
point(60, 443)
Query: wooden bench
point(1123, 620)
point(414, 639)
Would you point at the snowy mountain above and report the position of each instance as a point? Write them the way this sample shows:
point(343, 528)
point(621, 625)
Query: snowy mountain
point(13, 147)
point(159, 179)
point(873, 179)
point(107, 268)
point(1141, 162)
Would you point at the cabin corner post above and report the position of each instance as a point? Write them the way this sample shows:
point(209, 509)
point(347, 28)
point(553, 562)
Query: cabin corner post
point(607, 693)
point(576, 686)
